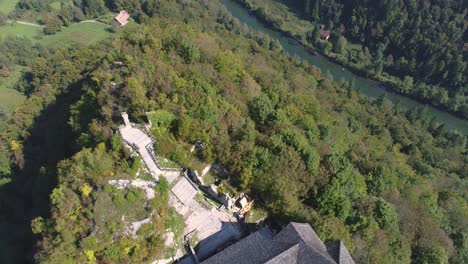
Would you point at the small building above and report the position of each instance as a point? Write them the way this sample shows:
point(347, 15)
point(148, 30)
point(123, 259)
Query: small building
point(122, 18)
point(323, 33)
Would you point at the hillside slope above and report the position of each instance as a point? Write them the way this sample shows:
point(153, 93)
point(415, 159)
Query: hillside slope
point(392, 185)
point(417, 48)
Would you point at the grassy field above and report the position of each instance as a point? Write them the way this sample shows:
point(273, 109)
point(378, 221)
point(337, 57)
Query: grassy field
point(6, 6)
point(55, 5)
point(82, 33)
point(9, 97)
point(19, 30)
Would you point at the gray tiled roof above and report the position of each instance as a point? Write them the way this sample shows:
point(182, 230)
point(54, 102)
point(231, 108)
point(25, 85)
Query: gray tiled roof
point(289, 256)
point(256, 248)
point(338, 251)
point(345, 257)
point(295, 232)
point(296, 243)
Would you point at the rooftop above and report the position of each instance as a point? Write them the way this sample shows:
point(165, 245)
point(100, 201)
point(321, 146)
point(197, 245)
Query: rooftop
point(122, 17)
point(296, 243)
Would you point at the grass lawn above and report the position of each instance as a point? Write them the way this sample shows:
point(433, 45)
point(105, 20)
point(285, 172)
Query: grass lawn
point(19, 30)
point(9, 97)
point(167, 163)
point(145, 176)
point(81, 33)
point(107, 212)
point(6, 6)
point(206, 201)
point(255, 214)
point(55, 5)
point(208, 179)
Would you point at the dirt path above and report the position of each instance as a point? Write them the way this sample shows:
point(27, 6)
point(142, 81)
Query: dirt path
point(42, 26)
point(25, 23)
point(92, 21)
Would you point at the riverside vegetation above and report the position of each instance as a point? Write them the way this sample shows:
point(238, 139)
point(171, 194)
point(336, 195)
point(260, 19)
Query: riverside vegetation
point(416, 47)
point(391, 184)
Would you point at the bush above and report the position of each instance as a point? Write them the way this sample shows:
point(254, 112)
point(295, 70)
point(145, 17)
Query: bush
point(387, 215)
point(116, 142)
point(145, 230)
point(189, 52)
point(132, 196)
point(3, 18)
point(118, 199)
point(163, 188)
point(109, 188)
point(89, 243)
point(162, 120)
point(113, 252)
point(52, 26)
point(175, 222)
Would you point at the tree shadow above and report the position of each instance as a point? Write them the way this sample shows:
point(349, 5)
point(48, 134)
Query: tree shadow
point(27, 195)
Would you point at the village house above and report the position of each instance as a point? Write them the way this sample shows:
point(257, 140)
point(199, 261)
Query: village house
point(323, 33)
point(122, 18)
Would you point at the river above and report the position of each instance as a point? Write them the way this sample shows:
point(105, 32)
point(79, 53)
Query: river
point(366, 86)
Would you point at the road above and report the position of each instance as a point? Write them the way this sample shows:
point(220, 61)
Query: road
point(25, 23)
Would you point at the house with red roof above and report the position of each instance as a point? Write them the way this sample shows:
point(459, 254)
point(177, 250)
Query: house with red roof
point(323, 33)
point(122, 18)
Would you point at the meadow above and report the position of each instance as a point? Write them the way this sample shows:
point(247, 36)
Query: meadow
point(8, 96)
point(6, 6)
point(80, 33)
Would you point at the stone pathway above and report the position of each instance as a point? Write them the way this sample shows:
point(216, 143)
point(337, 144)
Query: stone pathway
point(213, 227)
point(143, 144)
point(184, 191)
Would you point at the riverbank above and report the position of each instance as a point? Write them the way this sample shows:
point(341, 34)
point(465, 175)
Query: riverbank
point(367, 87)
point(418, 91)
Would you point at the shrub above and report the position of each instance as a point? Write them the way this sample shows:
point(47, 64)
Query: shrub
point(88, 243)
point(118, 199)
point(386, 214)
point(189, 52)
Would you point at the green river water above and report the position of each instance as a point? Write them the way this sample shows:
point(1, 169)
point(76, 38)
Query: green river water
point(366, 86)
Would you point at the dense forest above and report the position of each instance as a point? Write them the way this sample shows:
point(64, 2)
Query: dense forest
point(391, 184)
point(418, 47)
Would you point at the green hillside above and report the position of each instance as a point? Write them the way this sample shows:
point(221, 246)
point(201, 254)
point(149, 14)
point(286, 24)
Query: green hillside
point(390, 184)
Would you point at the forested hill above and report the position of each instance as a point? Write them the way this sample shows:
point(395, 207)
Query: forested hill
point(391, 184)
point(420, 42)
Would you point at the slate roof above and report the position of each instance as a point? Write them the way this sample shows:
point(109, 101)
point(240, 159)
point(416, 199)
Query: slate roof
point(338, 251)
point(296, 243)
